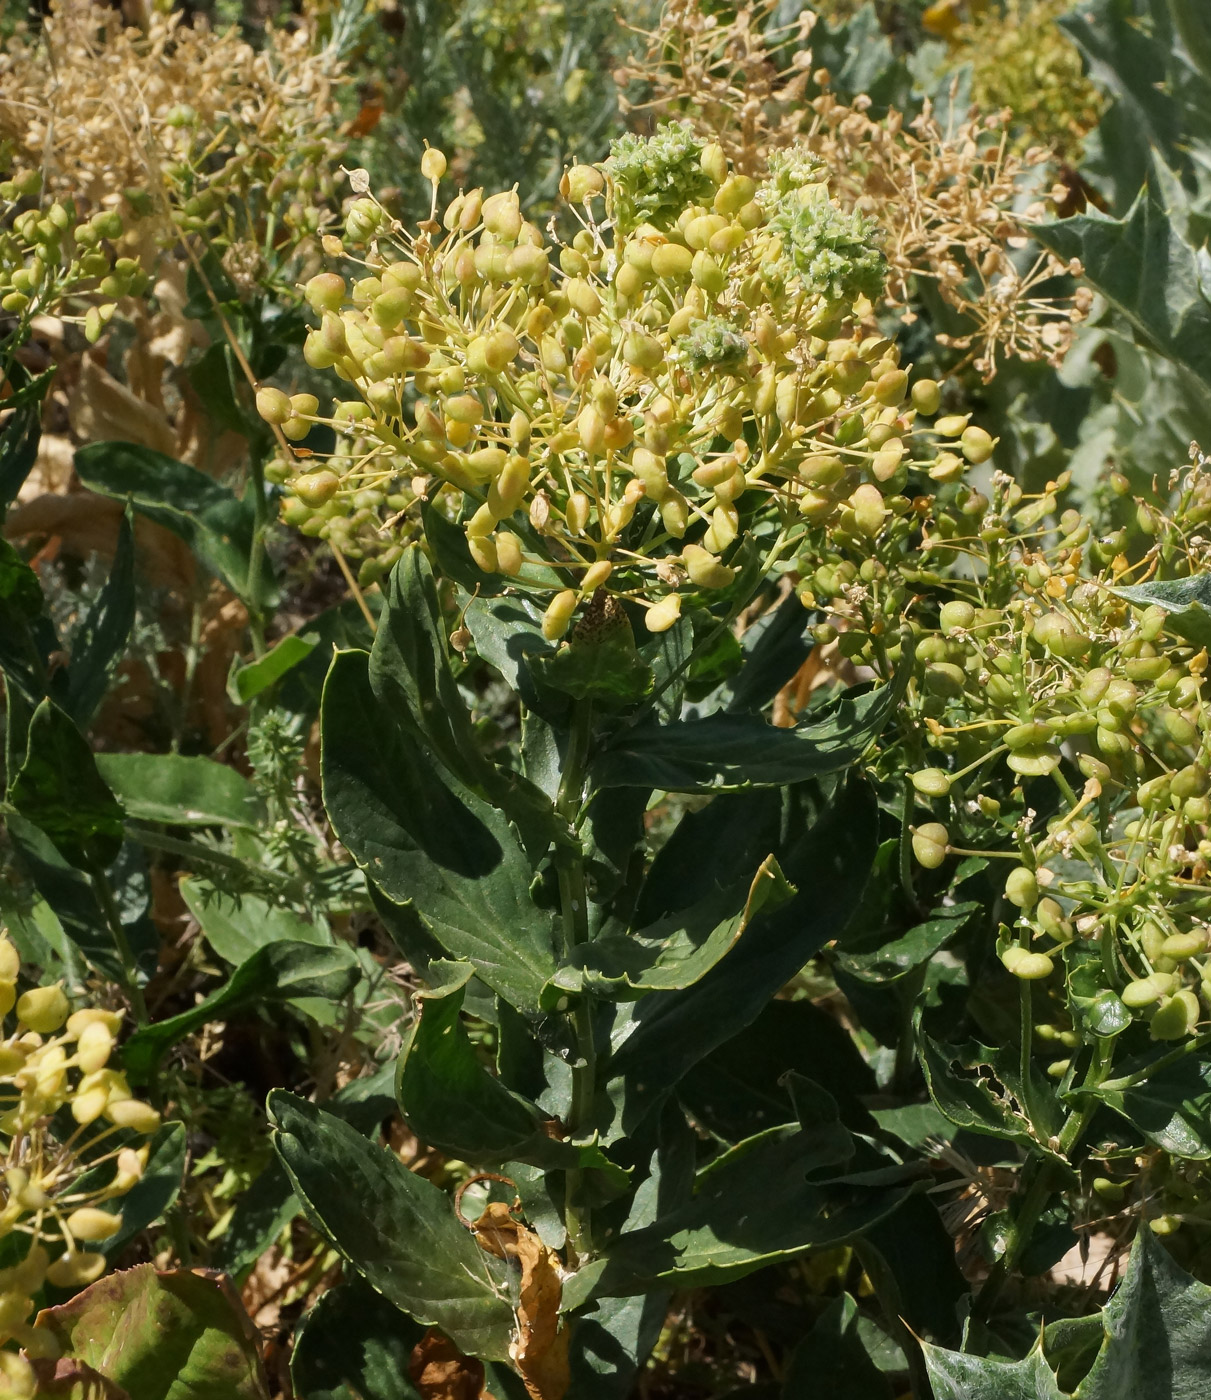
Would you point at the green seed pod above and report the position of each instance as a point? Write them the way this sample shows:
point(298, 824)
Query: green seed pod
point(926, 396)
point(1174, 1017)
point(705, 569)
point(945, 679)
point(890, 388)
point(931, 782)
point(956, 616)
point(1111, 1191)
point(1092, 767)
point(1180, 946)
point(675, 514)
point(1144, 991)
point(1191, 781)
point(1033, 967)
point(929, 843)
point(273, 405)
point(317, 488)
point(1027, 735)
point(1178, 727)
point(1022, 888)
point(977, 445)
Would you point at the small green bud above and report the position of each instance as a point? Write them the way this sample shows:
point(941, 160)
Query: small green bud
point(1022, 888)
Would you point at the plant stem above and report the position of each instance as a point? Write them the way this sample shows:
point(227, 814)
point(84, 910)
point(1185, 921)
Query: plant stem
point(574, 905)
point(109, 908)
point(256, 553)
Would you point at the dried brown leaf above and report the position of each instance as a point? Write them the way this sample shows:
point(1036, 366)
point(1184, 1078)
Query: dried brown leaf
point(540, 1349)
point(440, 1371)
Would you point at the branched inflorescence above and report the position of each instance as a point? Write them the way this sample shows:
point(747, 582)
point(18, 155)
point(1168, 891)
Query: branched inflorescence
point(614, 411)
point(56, 1059)
point(955, 197)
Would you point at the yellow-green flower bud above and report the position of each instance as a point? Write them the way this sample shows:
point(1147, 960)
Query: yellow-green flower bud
point(926, 396)
point(92, 1225)
point(662, 615)
point(433, 165)
point(43, 1009)
point(559, 614)
point(134, 1114)
point(705, 569)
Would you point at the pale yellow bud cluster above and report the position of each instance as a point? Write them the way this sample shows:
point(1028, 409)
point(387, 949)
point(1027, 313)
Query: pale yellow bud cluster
point(56, 1058)
point(617, 411)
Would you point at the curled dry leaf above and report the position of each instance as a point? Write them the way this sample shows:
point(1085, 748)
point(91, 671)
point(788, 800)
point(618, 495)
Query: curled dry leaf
point(540, 1349)
point(440, 1371)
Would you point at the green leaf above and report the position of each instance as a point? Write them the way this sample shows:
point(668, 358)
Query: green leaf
point(422, 837)
point(752, 1207)
point(354, 1345)
point(162, 1336)
point(70, 896)
point(601, 664)
point(1147, 268)
point(61, 791)
point(1156, 1344)
point(20, 437)
point(669, 1032)
point(955, 1375)
point(453, 1102)
point(1171, 1107)
point(738, 1090)
point(897, 958)
point(27, 637)
point(1158, 1332)
point(396, 1228)
point(180, 791)
point(742, 750)
point(997, 1104)
point(246, 682)
point(1094, 1005)
point(278, 972)
point(213, 522)
point(774, 649)
point(99, 641)
point(236, 927)
point(1186, 600)
point(672, 953)
point(832, 1360)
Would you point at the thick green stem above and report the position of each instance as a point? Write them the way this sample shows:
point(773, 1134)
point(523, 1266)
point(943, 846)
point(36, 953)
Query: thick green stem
point(113, 919)
point(1045, 1178)
point(574, 905)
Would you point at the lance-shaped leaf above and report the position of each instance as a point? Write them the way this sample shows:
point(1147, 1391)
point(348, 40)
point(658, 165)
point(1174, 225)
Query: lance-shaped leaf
point(751, 1207)
point(411, 675)
point(237, 927)
point(423, 837)
point(216, 524)
point(1171, 1106)
point(61, 791)
point(832, 1359)
point(278, 972)
point(27, 637)
point(246, 682)
point(668, 1032)
point(180, 791)
point(742, 750)
point(1186, 600)
point(893, 960)
point(99, 641)
point(162, 1336)
point(20, 435)
point(397, 1229)
point(453, 1102)
point(672, 953)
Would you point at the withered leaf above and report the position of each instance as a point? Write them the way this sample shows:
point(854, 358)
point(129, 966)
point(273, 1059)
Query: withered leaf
point(440, 1371)
point(540, 1349)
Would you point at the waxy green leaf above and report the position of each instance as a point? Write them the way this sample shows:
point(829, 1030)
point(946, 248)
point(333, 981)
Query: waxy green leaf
point(396, 1228)
point(423, 837)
